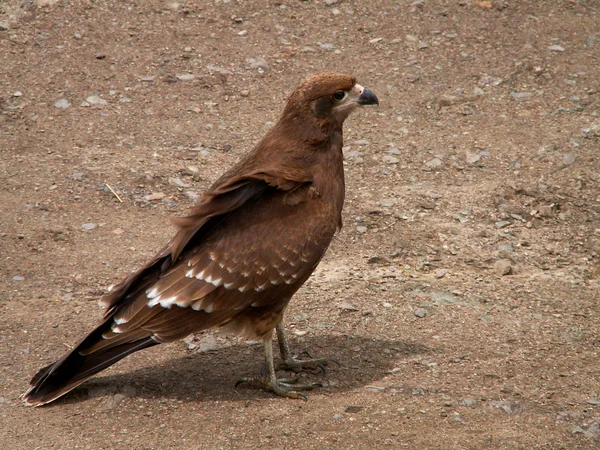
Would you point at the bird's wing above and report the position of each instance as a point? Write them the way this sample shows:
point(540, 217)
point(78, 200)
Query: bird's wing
point(232, 253)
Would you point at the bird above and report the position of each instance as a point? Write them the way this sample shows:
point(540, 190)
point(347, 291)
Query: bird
point(241, 252)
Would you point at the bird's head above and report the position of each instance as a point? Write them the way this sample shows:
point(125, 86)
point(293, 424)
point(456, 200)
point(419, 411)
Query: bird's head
point(327, 99)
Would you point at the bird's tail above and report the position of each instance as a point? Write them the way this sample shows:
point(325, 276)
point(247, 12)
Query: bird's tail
point(89, 357)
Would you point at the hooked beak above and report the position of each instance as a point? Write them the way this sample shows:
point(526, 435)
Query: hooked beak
point(367, 98)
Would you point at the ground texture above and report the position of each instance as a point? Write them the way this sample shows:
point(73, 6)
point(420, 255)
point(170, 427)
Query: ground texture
point(462, 294)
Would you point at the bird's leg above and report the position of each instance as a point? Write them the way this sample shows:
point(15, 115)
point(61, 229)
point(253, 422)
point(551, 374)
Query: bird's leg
point(288, 362)
point(269, 382)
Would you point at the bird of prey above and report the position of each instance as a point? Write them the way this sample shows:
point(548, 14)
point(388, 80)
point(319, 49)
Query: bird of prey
point(241, 253)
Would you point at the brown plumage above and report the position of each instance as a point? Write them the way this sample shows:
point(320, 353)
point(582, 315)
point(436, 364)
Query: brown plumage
point(246, 247)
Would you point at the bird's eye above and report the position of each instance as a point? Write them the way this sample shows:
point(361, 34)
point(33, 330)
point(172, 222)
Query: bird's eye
point(339, 95)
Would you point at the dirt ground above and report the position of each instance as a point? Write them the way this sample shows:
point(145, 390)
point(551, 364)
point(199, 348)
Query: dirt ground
point(461, 296)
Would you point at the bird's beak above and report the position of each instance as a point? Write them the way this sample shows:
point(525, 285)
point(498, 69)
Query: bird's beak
point(367, 98)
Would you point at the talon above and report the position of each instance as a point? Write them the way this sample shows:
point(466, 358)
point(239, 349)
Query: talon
point(323, 369)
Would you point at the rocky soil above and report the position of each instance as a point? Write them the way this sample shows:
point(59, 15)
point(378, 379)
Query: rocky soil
point(462, 294)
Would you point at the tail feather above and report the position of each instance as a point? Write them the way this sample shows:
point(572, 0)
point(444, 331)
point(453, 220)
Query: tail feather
point(75, 367)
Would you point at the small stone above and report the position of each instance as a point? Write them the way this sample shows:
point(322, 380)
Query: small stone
point(96, 100)
point(520, 95)
point(361, 229)
point(62, 103)
point(89, 226)
point(506, 248)
point(258, 63)
point(176, 181)
point(435, 162)
point(362, 142)
point(376, 40)
point(389, 159)
point(186, 77)
point(354, 409)
point(427, 204)
point(440, 273)
point(18, 278)
point(77, 36)
point(242, 33)
point(467, 401)
point(155, 196)
point(375, 388)
point(346, 306)
point(568, 159)
point(245, 93)
point(4, 25)
point(17, 94)
point(420, 313)
point(556, 48)
point(327, 47)
point(433, 194)
point(422, 45)
point(447, 100)
point(113, 401)
point(99, 55)
point(337, 417)
point(128, 390)
point(502, 224)
point(503, 267)
point(472, 158)
point(331, 2)
point(148, 79)
point(388, 203)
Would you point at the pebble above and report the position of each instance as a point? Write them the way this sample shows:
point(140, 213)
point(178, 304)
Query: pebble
point(433, 194)
point(420, 312)
point(155, 196)
point(503, 267)
point(568, 159)
point(435, 162)
point(467, 401)
point(245, 93)
point(387, 203)
point(77, 36)
point(176, 181)
point(128, 390)
point(89, 226)
point(422, 45)
point(346, 306)
point(375, 388)
point(18, 278)
point(389, 159)
point(327, 46)
point(331, 2)
point(337, 416)
point(186, 77)
point(440, 273)
point(556, 48)
point(506, 248)
point(17, 94)
point(502, 224)
point(96, 100)
point(520, 95)
point(354, 409)
point(258, 63)
point(62, 103)
point(148, 79)
point(361, 229)
point(508, 407)
point(472, 158)
point(362, 142)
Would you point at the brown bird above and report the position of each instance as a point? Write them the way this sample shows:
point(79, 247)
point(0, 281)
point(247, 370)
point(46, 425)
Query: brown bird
point(240, 255)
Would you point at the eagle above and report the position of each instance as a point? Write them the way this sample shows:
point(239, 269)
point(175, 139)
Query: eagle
point(235, 261)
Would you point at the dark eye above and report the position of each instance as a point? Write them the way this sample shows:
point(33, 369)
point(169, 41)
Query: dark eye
point(339, 95)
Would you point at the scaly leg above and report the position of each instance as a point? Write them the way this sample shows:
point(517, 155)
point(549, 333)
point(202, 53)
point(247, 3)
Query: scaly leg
point(269, 382)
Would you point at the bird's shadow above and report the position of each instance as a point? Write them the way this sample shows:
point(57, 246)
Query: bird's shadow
point(212, 375)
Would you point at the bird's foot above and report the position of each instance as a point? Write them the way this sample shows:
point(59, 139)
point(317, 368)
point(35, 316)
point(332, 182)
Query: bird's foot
point(283, 388)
